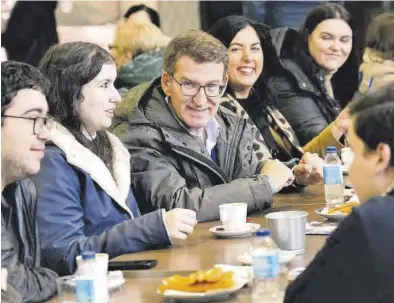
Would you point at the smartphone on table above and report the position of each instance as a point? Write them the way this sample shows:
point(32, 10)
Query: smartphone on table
point(131, 265)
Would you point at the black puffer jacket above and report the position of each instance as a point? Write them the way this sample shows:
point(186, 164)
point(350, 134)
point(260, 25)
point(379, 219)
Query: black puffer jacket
point(296, 86)
point(20, 249)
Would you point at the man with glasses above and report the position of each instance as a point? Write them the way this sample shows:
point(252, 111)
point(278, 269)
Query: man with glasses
point(24, 130)
point(187, 151)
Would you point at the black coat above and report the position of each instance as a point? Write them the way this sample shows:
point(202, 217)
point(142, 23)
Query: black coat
point(296, 85)
point(356, 264)
point(20, 248)
point(31, 31)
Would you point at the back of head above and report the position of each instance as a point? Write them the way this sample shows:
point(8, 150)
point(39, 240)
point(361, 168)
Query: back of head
point(199, 46)
point(132, 39)
point(16, 76)
point(321, 13)
point(380, 35)
point(374, 118)
point(68, 67)
point(154, 16)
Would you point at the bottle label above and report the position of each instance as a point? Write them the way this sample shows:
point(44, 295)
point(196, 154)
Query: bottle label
point(85, 290)
point(332, 174)
point(265, 266)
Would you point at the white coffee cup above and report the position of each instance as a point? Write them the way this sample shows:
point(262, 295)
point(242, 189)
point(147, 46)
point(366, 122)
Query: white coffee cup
point(233, 215)
point(347, 156)
point(101, 259)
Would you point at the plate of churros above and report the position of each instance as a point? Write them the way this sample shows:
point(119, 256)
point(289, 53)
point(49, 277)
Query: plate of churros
point(201, 286)
point(338, 213)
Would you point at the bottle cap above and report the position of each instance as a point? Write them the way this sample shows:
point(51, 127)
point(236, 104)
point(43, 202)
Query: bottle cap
point(331, 150)
point(88, 255)
point(263, 232)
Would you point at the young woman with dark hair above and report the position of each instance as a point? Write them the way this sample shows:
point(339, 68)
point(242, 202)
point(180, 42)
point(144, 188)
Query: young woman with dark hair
point(317, 71)
point(85, 196)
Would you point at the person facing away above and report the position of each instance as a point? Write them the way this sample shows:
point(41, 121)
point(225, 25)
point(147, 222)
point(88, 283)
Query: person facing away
point(138, 52)
point(317, 70)
point(377, 68)
point(142, 14)
point(24, 129)
point(31, 31)
point(187, 151)
point(249, 45)
point(85, 197)
point(356, 264)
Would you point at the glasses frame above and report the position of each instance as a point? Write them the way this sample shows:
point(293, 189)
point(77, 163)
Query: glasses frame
point(47, 122)
point(221, 89)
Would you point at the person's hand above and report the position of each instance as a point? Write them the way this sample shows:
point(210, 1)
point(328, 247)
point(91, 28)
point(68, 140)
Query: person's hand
point(341, 124)
point(179, 223)
point(279, 174)
point(310, 169)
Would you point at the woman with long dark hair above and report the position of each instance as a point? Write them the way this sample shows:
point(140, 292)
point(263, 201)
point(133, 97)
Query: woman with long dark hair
point(85, 197)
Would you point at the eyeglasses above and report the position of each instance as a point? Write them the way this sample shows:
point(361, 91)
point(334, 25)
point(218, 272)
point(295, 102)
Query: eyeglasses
point(39, 122)
point(190, 89)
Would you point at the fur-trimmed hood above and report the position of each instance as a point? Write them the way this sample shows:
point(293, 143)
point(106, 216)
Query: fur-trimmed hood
point(116, 186)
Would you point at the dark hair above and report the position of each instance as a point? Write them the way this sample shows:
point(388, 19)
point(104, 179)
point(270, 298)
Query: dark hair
point(346, 79)
point(226, 28)
point(321, 13)
point(374, 118)
point(69, 67)
point(154, 16)
point(380, 35)
point(16, 76)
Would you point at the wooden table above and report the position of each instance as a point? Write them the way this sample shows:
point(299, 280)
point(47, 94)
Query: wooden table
point(202, 250)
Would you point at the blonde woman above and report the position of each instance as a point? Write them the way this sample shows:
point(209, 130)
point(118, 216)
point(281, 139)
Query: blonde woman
point(377, 68)
point(138, 53)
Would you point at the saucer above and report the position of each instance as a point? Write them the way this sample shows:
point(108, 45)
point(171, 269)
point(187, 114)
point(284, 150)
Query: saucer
point(248, 229)
point(294, 273)
point(337, 216)
point(345, 170)
point(115, 280)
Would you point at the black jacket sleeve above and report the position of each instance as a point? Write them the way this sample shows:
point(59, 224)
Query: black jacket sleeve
point(33, 284)
point(298, 107)
point(343, 271)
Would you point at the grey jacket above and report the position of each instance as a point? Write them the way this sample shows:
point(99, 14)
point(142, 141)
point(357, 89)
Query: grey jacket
point(20, 249)
point(172, 168)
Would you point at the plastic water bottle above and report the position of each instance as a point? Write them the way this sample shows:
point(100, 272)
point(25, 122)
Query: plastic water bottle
point(91, 282)
point(266, 269)
point(333, 178)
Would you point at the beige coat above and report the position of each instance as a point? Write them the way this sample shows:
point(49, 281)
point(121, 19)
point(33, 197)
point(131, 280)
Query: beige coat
point(375, 71)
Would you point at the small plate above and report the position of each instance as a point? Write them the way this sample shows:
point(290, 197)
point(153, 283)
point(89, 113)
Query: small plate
point(249, 229)
point(335, 216)
point(348, 192)
point(217, 294)
point(115, 280)
point(294, 273)
point(284, 257)
point(345, 170)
